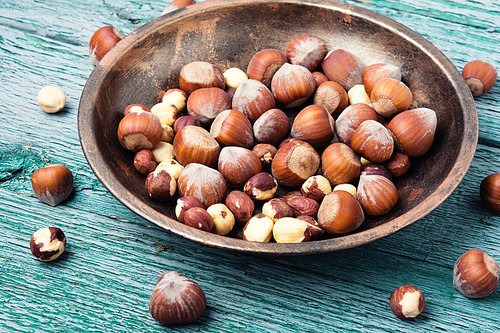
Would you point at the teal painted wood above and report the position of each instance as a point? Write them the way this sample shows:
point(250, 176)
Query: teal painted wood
point(105, 278)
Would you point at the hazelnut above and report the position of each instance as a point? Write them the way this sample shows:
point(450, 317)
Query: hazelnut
point(343, 67)
point(489, 191)
point(259, 228)
point(200, 74)
point(139, 130)
point(167, 133)
point(375, 169)
point(480, 76)
point(357, 94)
point(389, 97)
point(144, 161)
point(238, 165)
point(261, 187)
point(52, 184)
point(340, 213)
point(349, 188)
point(135, 108)
point(223, 219)
point(277, 208)
point(194, 144)
point(373, 141)
point(340, 164)
point(294, 162)
point(253, 98)
point(160, 185)
point(232, 128)
point(314, 125)
point(303, 206)
point(376, 194)
point(176, 300)
point(316, 187)
point(332, 97)
point(171, 166)
point(48, 244)
point(184, 203)
point(475, 274)
point(292, 85)
point(51, 99)
point(265, 152)
point(407, 302)
point(199, 218)
point(272, 127)
point(291, 230)
point(163, 151)
point(167, 113)
point(398, 164)
point(175, 97)
point(312, 225)
point(374, 73)
point(264, 64)
point(241, 205)
point(203, 182)
point(185, 121)
point(350, 119)
point(103, 40)
point(234, 77)
point(205, 104)
point(319, 78)
point(306, 50)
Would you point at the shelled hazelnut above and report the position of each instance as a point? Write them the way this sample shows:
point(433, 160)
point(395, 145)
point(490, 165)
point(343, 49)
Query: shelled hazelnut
point(259, 228)
point(48, 244)
point(407, 302)
point(51, 99)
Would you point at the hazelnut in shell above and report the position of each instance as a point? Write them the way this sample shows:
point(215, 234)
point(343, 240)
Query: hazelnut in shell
point(373, 141)
point(389, 97)
point(48, 243)
point(332, 96)
point(376, 194)
point(343, 67)
point(194, 144)
point(340, 213)
point(103, 40)
point(294, 162)
point(480, 76)
point(306, 50)
point(205, 183)
point(177, 4)
point(272, 127)
point(475, 274)
point(52, 184)
point(375, 72)
point(238, 165)
point(232, 128)
point(340, 164)
point(200, 74)
point(264, 64)
point(292, 85)
point(489, 190)
point(350, 119)
point(253, 98)
point(205, 104)
point(314, 125)
point(139, 130)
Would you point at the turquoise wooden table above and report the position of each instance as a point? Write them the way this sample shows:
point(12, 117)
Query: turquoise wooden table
point(105, 278)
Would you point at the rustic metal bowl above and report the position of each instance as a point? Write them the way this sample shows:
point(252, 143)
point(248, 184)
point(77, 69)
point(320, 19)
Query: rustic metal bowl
point(227, 33)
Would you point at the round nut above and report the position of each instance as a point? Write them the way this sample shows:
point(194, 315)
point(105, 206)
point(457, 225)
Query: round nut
point(291, 230)
point(343, 67)
point(407, 302)
point(277, 208)
point(144, 161)
point(376, 194)
point(160, 185)
point(139, 130)
point(292, 85)
point(167, 113)
point(241, 205)
point(223, 219)
point(314, 125)
point(199, 218)
point(194, 144)
point(350, 119)
point(304, 206)
point(171, 166)
point(253, 98)
point(373, 141)
point(232, 128)
point(206, 103)
point(272, 127)
point(163, 151)
point(306, 50)
point(234, 77)
point(200, 74)
point(203, 182)
point(475, 274)
point(332, 97)
point(313, 226)
point(175, 97)
point(340, 213)
point(265, 152)
point(238, 165)
point(316, 187)
point(294, 162)
point(48, 244)
point(340, 164)
point(259, 228)
point(264, 65)
point(52, 184)
point(184, 203)
point(135, 108)
point(51, 99)
point(261, 187)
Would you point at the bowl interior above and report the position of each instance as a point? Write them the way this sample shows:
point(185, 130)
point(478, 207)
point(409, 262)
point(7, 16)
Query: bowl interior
point(227, 33)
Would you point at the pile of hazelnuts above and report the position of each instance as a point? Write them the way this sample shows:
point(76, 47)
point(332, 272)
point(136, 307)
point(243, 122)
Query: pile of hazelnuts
point(328, 130)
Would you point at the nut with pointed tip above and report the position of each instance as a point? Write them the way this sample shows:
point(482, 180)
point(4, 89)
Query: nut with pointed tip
point(389, 97)
point(175, 97)
point(398, 164)
point(277, 208)
point(139, 130)
point(294, 162)
point(306, 50)
point(200, 74)
point(185, 203)
point(234, 77)
point(358, 94)
point(160, 185)
point(232, 128)
point(51, 99)
point(376, 169)
point(291, 230)
point(316, 187)
point(414, 131)
point(176, 300)
point(167, 113)
point(350, 119)
point(343, 67)
point(292, 85)
point(206, 103)
point(135, 108)
point(272, 127)
point(203, 182)
point(199, 218)
point(376, 194)
point(340, 213)
point(144, 161)
point(261, 187)
point(48, 243)
point(340, 164)
point(259, 228)
point(194, 144)
point(374, 73)
point(163, 151)
point(373, 141)
point(407, 302)
point(480, 76)
point(475, 274)
point(103, 40)
point(264, 64)
point(238, 165)
point(253, 98)
point(223, 219)
point(171, 166)
point(52, 184)
point(314, 125)
point(241, 205)
point(332, 96)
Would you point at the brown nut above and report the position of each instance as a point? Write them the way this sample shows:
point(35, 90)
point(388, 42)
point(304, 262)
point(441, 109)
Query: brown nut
point(194, 144)
point(139, 130)
point(135, 108)
point(259, 228)
point(175, 97)
point(316, 187)
point(343, 67)
point(144, 161)
point(272, 127)
point(184, 203)
point(292, 85)
point(223, 219)
point(389, 97)
point(241, 205)
point(314, 125)
point(304, 206)
point(52, 184)
point(200, 74)
point(205, 104)
point(414, 131)
point(176, 299)
point(48, 244)
point(480, 76)
point(171, 166)
point(398, 164)
point(373, 141)
point(203, 182)
point(340, 164)
point(160, 185)
point(261, 187)
point(350, 119)
point(407, 302)
point(253, 98)
point(264, 65)
point(313, 226)
point(265, 152)
point(199, 218)
point(475, 274)
point(232, 128)
point(340, 213)
point(332, 96)
point(103, 40)
point(306, 50)
point(185, 121)
point(376, 169)
point(489, 190)
point(238, 165)
point(291, 230)
point(277, 208)
point(294, 162)
point(319, 78)
point(374, 73)
point(376, 194)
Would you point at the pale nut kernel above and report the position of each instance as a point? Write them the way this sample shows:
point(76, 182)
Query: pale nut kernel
point(234, 77)
point(167, 113)
point(171, 166)
point(175, 97)
point(163, 151)
point(316, 187)
point(51, 99)
point(48, 243)
point(291, 230)
point(277, 208)
point(135, 108)
point(259, 228)
point(357, 94)
point(261, 187)
point(223, 219)
point(407, 302)
point(349, 188)
point(199, 218)
point(167, 133)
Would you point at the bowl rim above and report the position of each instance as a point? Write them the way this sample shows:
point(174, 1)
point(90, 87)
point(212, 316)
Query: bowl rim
point(98, 165)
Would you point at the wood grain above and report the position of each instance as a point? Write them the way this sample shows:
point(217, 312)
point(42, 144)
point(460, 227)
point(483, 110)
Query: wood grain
point(105, 278)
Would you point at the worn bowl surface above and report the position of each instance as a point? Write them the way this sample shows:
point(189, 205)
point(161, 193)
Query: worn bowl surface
point(227, 33)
